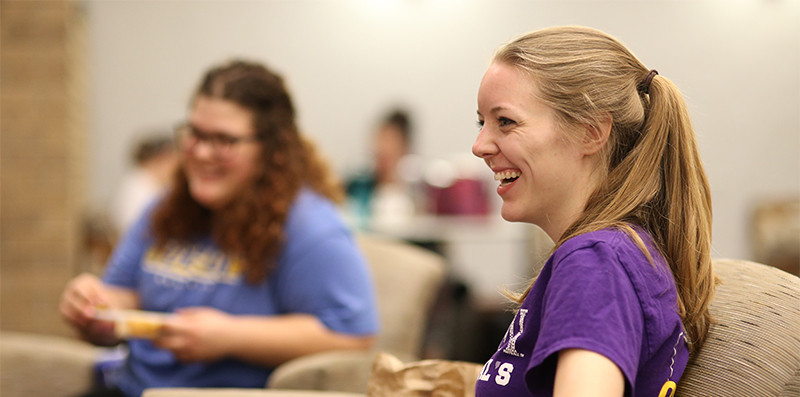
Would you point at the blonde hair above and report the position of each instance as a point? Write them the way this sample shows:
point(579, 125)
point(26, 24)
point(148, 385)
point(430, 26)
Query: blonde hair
point(654, 177)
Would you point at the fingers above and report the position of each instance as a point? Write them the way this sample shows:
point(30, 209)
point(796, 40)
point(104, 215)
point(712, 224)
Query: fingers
point(173, 335)
point(187, 313)
point(100, 332)
point(80, 298)
point(182, 335)
point(178, 343)
point(165, 340)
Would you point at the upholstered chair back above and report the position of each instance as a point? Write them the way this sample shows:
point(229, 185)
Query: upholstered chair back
point(753, 347)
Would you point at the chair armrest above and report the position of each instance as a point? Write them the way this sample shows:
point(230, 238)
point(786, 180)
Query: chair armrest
point(345, 371)
point(210, 392)
point(44, 365)
point(341, 370)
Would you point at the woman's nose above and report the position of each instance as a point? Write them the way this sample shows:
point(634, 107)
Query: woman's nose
point(202, 149)
point(483, 146)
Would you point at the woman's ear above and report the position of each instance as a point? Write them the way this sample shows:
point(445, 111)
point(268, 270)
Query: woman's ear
point(596, 135)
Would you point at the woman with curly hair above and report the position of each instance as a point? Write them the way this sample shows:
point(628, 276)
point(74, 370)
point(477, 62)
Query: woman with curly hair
point(597, 150)
point(247, 252)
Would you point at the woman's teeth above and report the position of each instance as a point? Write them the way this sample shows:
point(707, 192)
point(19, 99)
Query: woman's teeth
point(506, 177)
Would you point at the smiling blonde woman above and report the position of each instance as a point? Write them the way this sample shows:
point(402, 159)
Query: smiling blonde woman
point(598, 150)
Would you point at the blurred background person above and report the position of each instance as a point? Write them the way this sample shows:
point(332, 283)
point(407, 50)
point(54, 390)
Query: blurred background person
point(247, 253)
point(155, 160)
point(385, 193)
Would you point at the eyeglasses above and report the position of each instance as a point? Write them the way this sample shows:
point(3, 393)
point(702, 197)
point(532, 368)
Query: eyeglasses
point(220, 143)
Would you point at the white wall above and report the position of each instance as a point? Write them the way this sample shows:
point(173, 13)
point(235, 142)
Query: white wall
point(346, 61)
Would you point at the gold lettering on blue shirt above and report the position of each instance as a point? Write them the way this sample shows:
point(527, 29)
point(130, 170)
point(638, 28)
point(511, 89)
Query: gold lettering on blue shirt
point(192, 264)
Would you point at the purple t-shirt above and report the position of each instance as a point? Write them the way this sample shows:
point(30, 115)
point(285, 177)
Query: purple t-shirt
point(596, 292)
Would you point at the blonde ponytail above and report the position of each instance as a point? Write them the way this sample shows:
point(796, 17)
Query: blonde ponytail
point(687, 206)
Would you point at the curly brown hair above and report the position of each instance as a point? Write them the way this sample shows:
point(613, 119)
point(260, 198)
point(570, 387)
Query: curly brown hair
point(251, 226)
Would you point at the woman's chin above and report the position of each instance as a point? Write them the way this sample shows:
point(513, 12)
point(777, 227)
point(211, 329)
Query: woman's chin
point(208, 199)
point(509, 214)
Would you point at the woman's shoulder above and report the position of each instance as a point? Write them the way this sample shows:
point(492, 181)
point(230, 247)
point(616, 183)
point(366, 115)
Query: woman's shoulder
point(618, 243)
point(308, 200)
point(615, 250)
point(611, 237)
point(313, 212)
point(315, 222)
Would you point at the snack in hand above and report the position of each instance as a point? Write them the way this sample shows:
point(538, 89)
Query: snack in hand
point(135, 324)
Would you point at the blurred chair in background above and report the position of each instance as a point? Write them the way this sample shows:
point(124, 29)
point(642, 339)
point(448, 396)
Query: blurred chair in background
point(775, 234)
point(99, 236)
point(36, 365)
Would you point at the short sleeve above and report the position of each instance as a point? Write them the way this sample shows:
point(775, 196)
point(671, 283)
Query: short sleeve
point(124, 267)
point(590, 303)
point(329, 278)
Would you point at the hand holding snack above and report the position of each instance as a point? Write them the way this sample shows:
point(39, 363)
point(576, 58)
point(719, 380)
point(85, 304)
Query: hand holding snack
point(81, 298)
point(197, 334)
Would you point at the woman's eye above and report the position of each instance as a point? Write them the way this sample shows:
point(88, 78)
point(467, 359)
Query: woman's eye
point(505, 121)
point(220, 140)
point(479, 124)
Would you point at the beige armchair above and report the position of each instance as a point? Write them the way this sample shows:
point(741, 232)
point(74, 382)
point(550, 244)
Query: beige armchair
point(753, 349)
point(34, 365)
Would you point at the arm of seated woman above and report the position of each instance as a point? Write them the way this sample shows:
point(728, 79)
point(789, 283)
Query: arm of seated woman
point(586, 373)
point(205, 334)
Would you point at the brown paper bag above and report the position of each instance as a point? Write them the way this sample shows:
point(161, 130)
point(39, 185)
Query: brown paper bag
point(427, 378)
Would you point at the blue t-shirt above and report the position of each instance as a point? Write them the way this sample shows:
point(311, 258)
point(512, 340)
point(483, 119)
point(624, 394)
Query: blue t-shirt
point(596, 292)
point(319, 271)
